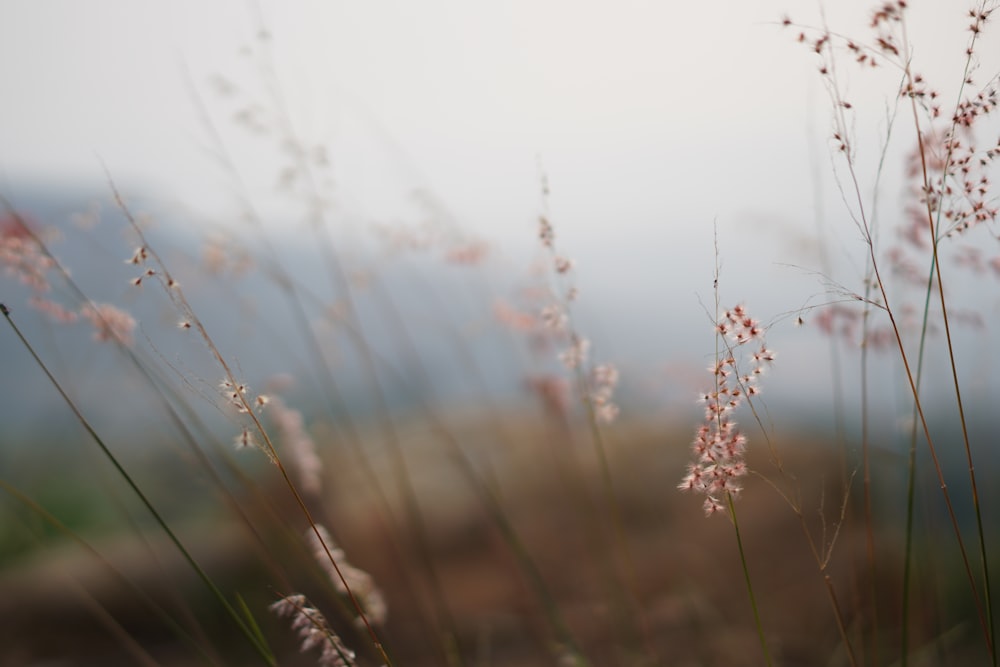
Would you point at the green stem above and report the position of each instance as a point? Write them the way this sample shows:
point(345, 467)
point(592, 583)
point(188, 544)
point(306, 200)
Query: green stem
point(911, 483)
point(746, 576)
point(155, 608)
point(255, 640)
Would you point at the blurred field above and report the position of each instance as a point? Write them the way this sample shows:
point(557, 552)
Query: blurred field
point(56, 603)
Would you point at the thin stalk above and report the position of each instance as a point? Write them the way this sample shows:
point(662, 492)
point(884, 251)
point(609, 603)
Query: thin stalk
point(525, 562)
point(254, 639)
point(157, 610)
point(164, 394)
point(176, 295)
point(867, 227)
point(318, 224)
point(867, 486)
point(822, 559)
point(746, 576)
point(863, 224)
point(934, 229)
point(294, 293)
point(911, 482)
point(721, 342)
point(631, 588)
point(937, 463)
point(628, 592)
point(489, 499)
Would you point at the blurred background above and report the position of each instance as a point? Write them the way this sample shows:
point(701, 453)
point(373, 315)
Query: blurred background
point(672, 138)
point(655, 126)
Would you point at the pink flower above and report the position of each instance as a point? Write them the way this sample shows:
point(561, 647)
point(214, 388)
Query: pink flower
point(299, 444)
point(109, 322)
point(719, 446)
point(21, 255)
point(314, 631)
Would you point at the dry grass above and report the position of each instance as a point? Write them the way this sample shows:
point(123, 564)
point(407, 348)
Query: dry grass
point(687, 567)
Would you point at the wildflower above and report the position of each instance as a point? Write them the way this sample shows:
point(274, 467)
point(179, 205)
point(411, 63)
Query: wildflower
point(109, 322)
point(553, 317)
point(360, 583)
point(562, 264)
point(139, 256)
point(296, 439)
point(21, 255)
point(235, 394)
point(603, 380)
point(313, 630)
point(719, 446)
point(148, 273)
point(545, 232)
point(576, 354)
point(245, 439)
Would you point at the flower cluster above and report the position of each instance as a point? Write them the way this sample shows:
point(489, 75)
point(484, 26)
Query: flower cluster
point(313, 630)
point(719, 445)
point(109, 322)
point(347, 577)
point(602, 380)
point(24, 258)
point(236, 394)
point(21, 255)
point(298, 443)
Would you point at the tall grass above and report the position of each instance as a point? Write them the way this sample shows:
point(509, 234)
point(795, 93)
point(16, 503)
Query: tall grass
point(380, 502)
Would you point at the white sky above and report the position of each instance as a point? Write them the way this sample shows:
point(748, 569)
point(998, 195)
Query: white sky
point(633, 104)
point(452, 92)
point(652, 117)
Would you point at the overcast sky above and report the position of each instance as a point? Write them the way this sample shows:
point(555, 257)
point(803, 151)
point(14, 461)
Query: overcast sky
point(653, 120)
point(664, 110)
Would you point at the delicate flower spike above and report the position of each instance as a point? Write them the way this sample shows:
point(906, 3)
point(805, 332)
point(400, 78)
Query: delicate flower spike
point(139, 256)
point(295, 438)
point(719, 446)
point(22, 256)
point(545, 232)
point(763, 355)
point(563, 264)
point(576, 354)
point(554, 318)
point(712, 506)
point(235, 394)
point(109, 322)
point(245, 439)
point(345, 576)
point(314, 631)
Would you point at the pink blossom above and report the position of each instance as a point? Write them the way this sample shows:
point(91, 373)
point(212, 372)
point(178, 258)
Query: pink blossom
point(314, 631)
point(719, 446)
point(109, 322)
point(299, 444)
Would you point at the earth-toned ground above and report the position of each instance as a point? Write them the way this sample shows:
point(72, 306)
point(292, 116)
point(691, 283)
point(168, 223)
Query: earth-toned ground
point(661, 584)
